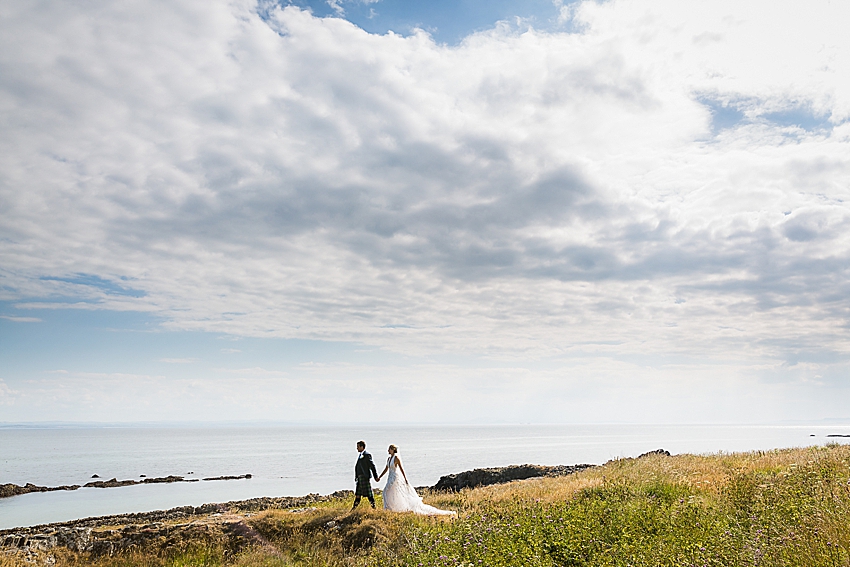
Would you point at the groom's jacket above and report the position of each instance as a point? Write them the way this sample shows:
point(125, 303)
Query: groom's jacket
point(365, 468)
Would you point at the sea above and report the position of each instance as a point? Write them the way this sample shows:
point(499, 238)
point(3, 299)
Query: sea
point(287, 460)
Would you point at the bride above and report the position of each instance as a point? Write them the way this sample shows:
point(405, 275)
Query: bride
point(399, 496)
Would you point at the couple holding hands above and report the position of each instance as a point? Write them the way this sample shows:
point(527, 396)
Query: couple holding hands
point(399, 496)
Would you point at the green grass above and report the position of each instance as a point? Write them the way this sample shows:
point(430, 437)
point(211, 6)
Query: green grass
point(782, 516)
point(779, 508)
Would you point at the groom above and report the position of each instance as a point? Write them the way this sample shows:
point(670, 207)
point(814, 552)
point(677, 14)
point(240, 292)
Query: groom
point(364, 469)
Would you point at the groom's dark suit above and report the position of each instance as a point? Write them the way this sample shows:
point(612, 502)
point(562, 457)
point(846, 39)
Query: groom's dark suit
point(364, 470)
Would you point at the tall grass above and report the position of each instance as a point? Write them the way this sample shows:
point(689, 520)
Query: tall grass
point(783, 508)
point(778, 508)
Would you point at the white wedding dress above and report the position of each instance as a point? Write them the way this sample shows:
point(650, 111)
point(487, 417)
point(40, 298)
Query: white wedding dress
point(399, 496)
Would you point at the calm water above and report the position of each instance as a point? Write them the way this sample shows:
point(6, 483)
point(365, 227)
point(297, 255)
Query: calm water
point(292, 461)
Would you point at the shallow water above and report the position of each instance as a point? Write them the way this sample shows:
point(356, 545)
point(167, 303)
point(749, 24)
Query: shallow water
point(292, 461)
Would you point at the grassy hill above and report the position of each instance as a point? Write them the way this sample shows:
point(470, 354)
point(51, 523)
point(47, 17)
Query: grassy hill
point(778, 508)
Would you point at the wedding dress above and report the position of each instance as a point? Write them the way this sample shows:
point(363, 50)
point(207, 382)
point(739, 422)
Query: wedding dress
point(399, 496)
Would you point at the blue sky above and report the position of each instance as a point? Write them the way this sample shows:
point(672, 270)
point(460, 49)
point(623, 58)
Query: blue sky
point(534, 211)
point(446, 21)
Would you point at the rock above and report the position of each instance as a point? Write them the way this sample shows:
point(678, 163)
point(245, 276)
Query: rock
point(111, 483)
point(162, 479)
point(655, 452)
point(499, 475)
point(229, 477)
point(75, 539)
point(115, 483)
point(7, 490)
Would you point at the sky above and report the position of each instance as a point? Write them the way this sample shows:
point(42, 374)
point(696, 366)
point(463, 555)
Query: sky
point(388, 211)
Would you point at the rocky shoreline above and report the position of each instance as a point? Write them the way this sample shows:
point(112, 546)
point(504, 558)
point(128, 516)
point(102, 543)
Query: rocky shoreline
point(106, 535)
point(499, 475)
point(8, 490)
point(225, 522)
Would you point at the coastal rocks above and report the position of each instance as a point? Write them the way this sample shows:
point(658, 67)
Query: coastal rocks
point(341, 494)
point(229, 477)
point(499, 475)
point(7, 490)
point(111, 483)
point(115, 483)
point(657, 452)
point(163, 529)
point(75, 539)
point(110, 541)
point(166, 479)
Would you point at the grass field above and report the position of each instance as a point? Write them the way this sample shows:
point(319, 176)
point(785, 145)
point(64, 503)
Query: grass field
point(778, 508)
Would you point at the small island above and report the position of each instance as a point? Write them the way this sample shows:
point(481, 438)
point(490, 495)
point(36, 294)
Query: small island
point(8, 490)
point(781, 507)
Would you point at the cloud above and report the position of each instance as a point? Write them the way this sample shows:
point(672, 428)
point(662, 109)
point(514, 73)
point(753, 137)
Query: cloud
point(255, 371)
point(7, 394)
point(338, 5)
point(512, 196)
point(587, 388)
point(17, 319)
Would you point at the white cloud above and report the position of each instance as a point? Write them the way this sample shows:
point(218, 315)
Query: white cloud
point(336, 5)
point(516, 196)
point(339, 8)
point(17, 319)
point(7, 395)
point(590, 389)
point(255, 371)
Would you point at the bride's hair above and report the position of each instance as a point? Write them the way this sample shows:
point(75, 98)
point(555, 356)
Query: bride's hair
point(393, 448)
